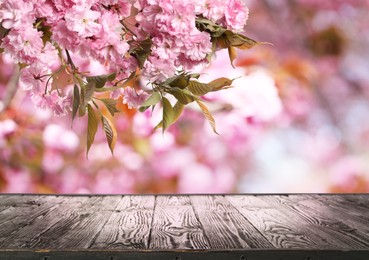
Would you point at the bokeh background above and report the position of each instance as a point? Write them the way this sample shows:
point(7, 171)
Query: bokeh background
point(297, 121)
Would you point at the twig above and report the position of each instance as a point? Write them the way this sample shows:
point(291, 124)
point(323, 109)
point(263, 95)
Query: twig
point(11, 90)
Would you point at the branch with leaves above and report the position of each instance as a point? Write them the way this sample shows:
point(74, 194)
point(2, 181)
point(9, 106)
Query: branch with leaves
point(131, 44)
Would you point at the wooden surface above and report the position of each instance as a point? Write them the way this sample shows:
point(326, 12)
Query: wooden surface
point(112, 227)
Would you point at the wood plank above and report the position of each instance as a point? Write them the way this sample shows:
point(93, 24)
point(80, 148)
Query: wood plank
point(224, 226)
point(23, 211)
point(347, 213)
point(80, 225)
point(282, 228)
point(355, 204)
point(31, 233)
point(336, 232)
point(175, 225)
point(10, 204)
point(128, 226)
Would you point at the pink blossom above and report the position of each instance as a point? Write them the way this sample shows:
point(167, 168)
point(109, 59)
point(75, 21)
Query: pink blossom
point(236, 15)
point(196, 178)
point(15, 13)
point(24, 44)
point(57, 137)
point(60, 105)
point(52, 161)
point(212, 9)
point(120, 7)
point(133, 98)
point(158, 70)
point(18, 181)
point(34, 78)
point(82, 20)
point(48, 56)
point(63, 5)
point(198, 45)
point(64, 37)
point(7, 127)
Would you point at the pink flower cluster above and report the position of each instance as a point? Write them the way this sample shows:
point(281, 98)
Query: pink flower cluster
point(39, 32)
point(177, 43)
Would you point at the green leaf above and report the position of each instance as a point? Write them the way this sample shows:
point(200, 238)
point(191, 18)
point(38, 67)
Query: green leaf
point(207, 114)
point(198, 88)
point(181, 81)
point(182, 95)
point(46, 33)
point(110, 105)
point(150, 101)
point(101, 80)
point(142, 52)
point(91, 127)
point(178, 109)
point(168, 113)
point(76, 101)
point(82, 106)
point(89, 92)
point(195, 75)
point(204, 24)
point(110, 132)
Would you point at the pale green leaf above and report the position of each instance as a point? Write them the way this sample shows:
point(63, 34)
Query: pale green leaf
point(178, 109)
point(76, 101)
point(182, 95)
point(198, 88)
point(181, 81)
point(89, 92)
point(101, 80)
point(91, 127)
point(82, 107)
point(195, 75)
point(150, 101)
point(207, 114)
point(110, 132)
point(168, 113)
point(142, 52)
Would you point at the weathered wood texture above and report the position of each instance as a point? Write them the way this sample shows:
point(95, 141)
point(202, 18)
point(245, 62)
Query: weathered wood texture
point(177, 227)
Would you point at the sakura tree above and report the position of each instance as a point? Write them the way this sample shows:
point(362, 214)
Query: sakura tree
point(161, 42)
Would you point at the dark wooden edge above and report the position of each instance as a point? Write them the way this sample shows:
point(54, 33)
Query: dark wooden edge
point(256, 254)
point(180, 194)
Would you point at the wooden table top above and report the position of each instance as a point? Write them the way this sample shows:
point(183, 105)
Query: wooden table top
point(178, 227)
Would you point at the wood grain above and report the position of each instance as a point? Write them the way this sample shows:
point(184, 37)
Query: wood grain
point(175, 225)
point(128, 226)
point(172, 226)
point(334, 231)
point(281, 227)
point(81, 225)
point(225, 227)
point(22, 212)
point(345, 212)
point(44, 225)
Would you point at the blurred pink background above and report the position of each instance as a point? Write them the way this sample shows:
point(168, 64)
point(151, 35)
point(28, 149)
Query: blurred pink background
point(296, 121)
